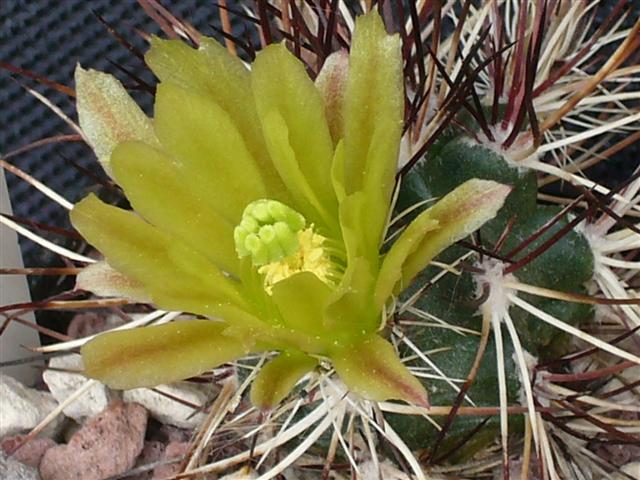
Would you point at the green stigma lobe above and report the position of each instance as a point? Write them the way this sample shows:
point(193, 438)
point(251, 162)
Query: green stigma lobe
point(268, 231)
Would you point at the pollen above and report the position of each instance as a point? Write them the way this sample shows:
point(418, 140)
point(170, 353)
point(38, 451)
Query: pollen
point(311, 256)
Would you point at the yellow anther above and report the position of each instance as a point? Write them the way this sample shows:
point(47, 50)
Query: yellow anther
point(310, 256)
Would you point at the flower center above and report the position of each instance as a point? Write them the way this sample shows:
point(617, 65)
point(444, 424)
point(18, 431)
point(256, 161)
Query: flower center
point(275, 237)
point(268, 232)
point(310, 257)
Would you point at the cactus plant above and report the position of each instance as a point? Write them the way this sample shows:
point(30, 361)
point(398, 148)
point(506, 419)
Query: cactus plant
point(375, 237)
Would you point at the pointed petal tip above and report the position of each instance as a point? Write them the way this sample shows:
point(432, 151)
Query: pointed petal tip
point(107, 114)
point(497, 188)
point(494, 196)
point(504, 189)
point(414, 393)
point(423, 401)
point(382, 377)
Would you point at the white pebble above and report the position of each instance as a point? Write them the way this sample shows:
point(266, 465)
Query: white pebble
point(23, 408)
point(169, 411)
point(65, 384)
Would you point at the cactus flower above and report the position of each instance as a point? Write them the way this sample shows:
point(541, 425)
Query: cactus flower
point(263, 213)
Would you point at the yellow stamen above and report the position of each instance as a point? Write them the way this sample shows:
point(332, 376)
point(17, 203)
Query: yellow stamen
point(311, 256)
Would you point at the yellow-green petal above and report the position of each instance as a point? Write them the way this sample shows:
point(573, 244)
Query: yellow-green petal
point(209, 69)
point(373, 115)
point(276, 379)
point(223, 78)
point(203, 139)
point(332, 82)
point(102, 280)
point(355, 221)
point(353, 299)
point(299, 185)
point(459, 213)
point(408, 242)
point(108, 115)
point(337, 173)
point(373, 370)
point(149, 356)
point(301, 299)
point(281, 85)
point(350, 308)
point(175, 276)
point(162, 191)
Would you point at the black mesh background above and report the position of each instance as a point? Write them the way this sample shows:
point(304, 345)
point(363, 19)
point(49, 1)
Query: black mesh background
point(49, 37)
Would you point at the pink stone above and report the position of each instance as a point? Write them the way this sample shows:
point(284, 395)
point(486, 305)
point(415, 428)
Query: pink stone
point(30, 453)
point(107, 445)
point(173, 450)
point(151, 453)
point(85, 324)
point(91, 323)
point(175, 434)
